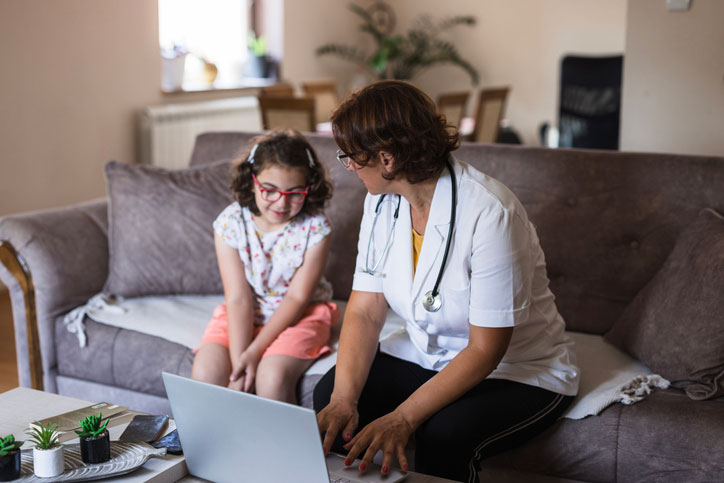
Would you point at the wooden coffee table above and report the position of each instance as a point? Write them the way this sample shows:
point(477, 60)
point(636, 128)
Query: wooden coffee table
point(20, 406)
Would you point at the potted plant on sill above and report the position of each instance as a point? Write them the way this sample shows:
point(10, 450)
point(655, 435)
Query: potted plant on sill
point(9, 458)
point(258, 63)
point(48, 457)
point(95, 443)
point(402, 57)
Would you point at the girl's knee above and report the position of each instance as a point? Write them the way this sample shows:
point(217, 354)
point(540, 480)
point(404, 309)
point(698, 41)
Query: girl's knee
point(208, 373)
point(274, 382)
point(276, 386)
point(211, 365)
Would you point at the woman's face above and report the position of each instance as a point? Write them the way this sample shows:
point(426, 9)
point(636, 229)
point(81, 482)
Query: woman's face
point(371, 175)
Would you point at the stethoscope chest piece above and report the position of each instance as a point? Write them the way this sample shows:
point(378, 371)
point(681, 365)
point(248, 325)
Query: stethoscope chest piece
point(431, 302)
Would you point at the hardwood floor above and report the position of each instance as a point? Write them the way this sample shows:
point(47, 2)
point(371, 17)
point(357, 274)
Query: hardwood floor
point(8, 364)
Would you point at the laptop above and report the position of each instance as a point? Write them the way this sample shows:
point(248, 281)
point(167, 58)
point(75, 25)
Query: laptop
point(231, 436)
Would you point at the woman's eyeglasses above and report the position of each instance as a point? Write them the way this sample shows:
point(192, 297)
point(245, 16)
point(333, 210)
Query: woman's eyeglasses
point(345, 159)
point(272, 195)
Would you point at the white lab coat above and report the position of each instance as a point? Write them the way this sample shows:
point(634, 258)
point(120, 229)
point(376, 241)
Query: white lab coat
point(494, 277)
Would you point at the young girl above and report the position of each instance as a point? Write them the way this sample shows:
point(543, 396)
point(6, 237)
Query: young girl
point(272, 245)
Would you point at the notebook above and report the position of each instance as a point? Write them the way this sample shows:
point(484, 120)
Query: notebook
point(231, 436)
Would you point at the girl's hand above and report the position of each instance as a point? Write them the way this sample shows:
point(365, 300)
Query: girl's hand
point(390, 434)
point(243, 373)
point(339, 414)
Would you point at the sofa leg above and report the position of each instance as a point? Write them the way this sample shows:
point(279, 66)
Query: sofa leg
point(19, 269)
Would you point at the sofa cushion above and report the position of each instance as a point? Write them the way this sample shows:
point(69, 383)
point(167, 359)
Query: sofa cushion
point(674, 325)
point(160, 228)
point(670, 438)
point(120, 358)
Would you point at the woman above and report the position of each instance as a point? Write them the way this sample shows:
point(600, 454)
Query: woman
point(479, 370)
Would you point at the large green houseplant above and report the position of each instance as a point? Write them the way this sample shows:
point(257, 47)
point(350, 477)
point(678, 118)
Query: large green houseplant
point(402, 56)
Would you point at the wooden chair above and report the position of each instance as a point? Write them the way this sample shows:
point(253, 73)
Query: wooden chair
point(452, 106)
point(287, 113)
point(490, 110)
point(283, 89)
point(325, 96)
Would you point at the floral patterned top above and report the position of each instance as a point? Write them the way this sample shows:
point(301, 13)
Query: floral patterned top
point(271, 259)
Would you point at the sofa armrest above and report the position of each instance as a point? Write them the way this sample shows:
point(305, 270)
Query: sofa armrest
point(52, 261)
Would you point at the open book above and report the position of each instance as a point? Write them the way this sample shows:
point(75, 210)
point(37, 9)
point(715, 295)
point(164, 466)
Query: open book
point(68, 422)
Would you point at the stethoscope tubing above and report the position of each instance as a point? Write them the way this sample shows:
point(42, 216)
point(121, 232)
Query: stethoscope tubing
point(436, 288)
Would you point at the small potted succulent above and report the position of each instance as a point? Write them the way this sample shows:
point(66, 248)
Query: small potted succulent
point(48, 458)
point(9, 458)
point(95, 443)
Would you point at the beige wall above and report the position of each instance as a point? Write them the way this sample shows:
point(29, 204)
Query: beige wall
point(673, 96)
point(74, 75)
point(515, 42)
point(74, 72)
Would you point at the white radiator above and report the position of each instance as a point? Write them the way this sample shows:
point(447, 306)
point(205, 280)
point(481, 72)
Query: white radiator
point(168, 132)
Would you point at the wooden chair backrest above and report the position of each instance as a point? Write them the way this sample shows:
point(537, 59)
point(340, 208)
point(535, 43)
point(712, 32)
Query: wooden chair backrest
point(287, 113)
point(452, 106)
point(491, 107)
point(277, 90)
point(325, 96)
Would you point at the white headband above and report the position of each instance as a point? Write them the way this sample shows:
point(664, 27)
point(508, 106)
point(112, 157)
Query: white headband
point(251, 153)
point(254, 148)
point(311, 159)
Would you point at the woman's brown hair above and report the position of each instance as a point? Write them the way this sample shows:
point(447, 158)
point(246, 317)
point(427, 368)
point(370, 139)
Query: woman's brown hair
point(398, 118)
point(288, 149)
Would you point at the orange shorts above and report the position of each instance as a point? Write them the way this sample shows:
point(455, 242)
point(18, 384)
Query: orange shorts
point(307, 339)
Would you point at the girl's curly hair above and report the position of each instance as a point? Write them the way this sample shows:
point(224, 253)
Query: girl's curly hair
point(399, 118)
point(287, 149)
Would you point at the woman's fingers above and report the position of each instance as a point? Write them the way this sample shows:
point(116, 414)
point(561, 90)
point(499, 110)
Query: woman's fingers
point(382, 434)
point(354, 448)
point(401, 458)
point(349, 429)
point(330, 432)
point(369, 456)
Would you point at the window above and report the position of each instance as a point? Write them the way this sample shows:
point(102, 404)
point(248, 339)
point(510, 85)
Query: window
point(210, 31)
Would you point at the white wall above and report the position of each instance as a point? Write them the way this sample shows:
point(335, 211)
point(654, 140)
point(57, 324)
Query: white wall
point(515, 42)
point(673, 82)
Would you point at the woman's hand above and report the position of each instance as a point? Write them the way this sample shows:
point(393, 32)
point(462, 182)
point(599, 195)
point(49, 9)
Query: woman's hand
point(243, 373)
point(390, 434)
point(339, 414)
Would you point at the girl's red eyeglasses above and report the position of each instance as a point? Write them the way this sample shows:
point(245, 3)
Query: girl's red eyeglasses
point(272, 195)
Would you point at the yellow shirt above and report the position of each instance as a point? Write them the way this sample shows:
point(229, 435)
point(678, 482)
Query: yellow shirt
point(416, 247)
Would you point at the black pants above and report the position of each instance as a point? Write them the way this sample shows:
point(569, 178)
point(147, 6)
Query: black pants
point(493, 416)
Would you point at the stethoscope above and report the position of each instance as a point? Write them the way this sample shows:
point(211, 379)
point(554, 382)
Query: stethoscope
point(431, 301)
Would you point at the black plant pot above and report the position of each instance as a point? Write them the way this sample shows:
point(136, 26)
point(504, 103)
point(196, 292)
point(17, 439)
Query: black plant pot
point(257, 66)
point(96, 450)
point(10, 466)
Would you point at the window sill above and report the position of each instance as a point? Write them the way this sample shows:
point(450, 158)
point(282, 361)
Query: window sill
point(246, 83)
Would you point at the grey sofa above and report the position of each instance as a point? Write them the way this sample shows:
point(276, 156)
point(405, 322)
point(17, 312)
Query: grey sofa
point(607, 222)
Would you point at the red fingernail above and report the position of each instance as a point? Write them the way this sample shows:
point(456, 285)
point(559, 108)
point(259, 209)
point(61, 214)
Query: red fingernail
point(348, 436)
point(362, 467)
point(347, 462)
point(385, 469)
point(404, 467)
